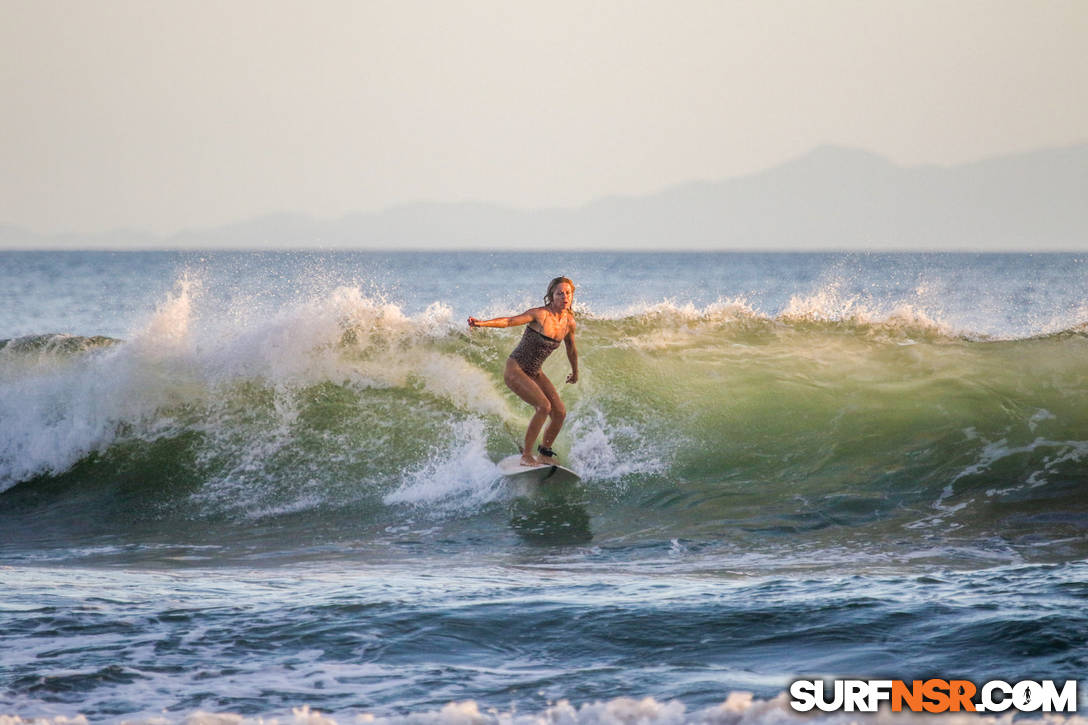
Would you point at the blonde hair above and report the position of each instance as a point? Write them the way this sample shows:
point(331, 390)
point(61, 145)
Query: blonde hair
point(555, 283)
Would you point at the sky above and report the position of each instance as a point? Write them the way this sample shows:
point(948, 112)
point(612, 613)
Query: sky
point(164, 115)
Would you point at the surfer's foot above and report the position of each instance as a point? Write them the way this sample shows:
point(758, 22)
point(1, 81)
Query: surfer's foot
point(527, 460)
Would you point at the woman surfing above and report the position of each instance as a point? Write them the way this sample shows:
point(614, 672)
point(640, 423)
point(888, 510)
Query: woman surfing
point(547, 327)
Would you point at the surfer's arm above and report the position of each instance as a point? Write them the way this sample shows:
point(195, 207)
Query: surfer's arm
point(523, 319)
point(572, 355)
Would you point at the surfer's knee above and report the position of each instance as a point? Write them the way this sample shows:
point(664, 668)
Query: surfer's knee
point(559, 411)
point(544, 407)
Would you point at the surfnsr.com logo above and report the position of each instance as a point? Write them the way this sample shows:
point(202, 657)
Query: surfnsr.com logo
point(933, 695)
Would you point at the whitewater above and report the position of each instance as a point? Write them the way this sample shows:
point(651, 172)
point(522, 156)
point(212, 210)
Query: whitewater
point(260, 486)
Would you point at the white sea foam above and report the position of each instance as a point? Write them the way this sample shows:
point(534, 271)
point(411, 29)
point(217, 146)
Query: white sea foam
point(61, 414)
point(458, 475)
point(739, 708)
point(606, 451)
point(1053, 453)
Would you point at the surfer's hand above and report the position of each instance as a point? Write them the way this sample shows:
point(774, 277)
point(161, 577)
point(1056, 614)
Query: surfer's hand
point(573, 377)
point(472, 321)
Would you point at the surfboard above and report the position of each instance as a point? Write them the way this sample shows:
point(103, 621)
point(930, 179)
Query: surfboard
point(544, 473)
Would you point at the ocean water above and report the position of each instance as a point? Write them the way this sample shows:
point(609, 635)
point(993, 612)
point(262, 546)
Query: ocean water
point(259, 486)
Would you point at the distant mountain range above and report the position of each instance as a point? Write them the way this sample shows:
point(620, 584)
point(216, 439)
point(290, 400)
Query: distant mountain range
point(832, 198)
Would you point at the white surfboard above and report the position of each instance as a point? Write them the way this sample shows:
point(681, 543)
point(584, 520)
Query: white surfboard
point(544, 473)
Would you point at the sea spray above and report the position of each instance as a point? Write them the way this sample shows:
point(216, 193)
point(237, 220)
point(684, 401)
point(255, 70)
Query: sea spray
point(61, 413)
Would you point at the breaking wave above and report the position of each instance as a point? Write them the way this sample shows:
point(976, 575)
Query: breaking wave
point(829, 415)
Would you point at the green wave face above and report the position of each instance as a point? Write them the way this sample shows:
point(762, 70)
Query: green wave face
point(716, 425)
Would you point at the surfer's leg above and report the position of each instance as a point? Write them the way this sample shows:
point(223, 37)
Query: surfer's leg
point(556, 417)
point(527, 389)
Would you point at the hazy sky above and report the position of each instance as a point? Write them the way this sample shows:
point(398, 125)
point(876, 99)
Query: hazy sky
point(171, 114)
